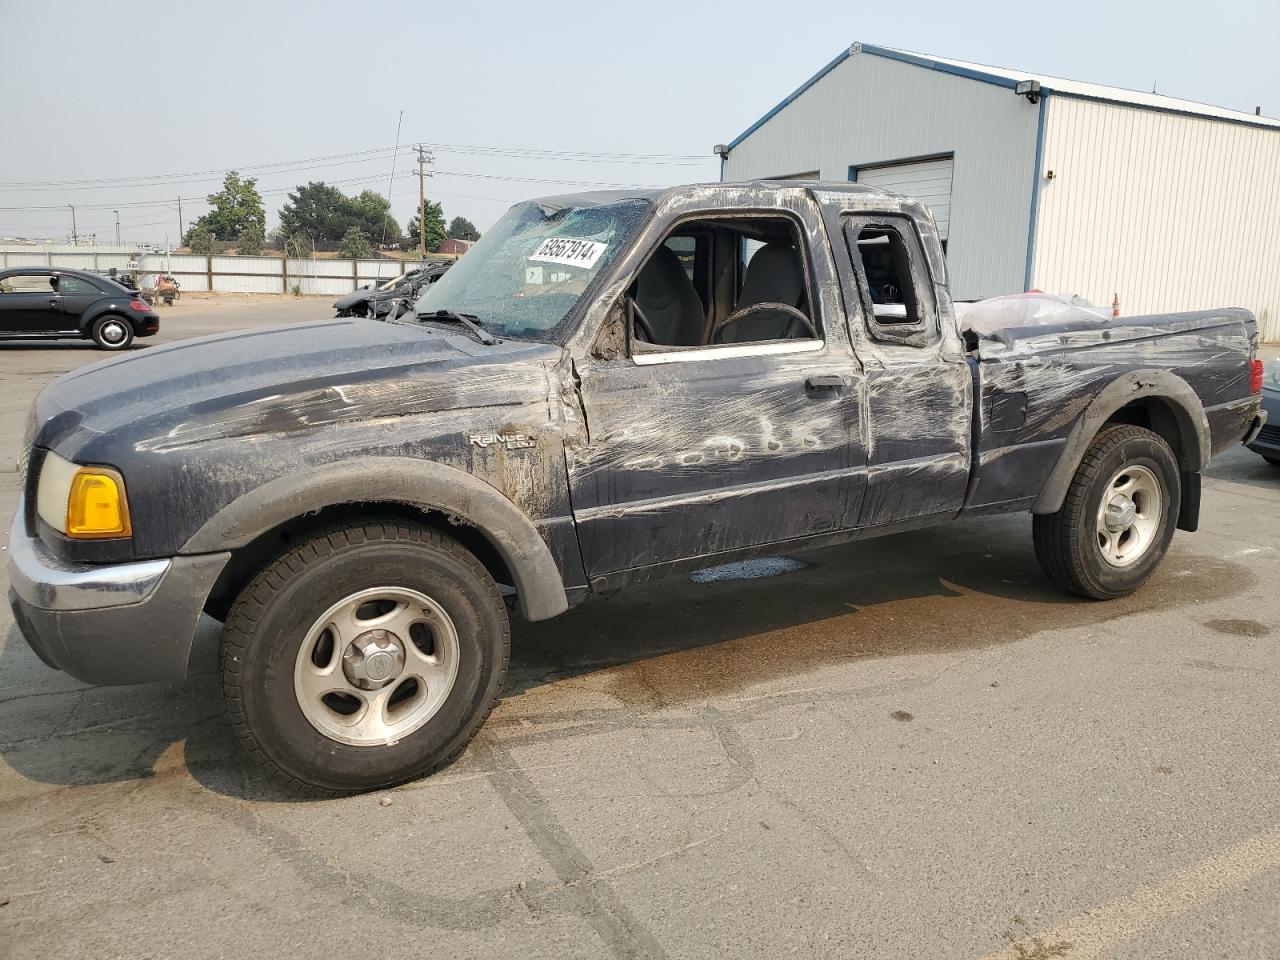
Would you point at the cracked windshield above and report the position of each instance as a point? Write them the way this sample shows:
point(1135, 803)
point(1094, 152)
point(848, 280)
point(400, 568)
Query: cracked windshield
point(529, 271)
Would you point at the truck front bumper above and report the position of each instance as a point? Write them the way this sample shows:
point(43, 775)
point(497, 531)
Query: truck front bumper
point(108, 623)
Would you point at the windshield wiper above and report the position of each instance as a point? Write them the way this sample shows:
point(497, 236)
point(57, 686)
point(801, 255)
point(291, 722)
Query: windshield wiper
point(466, 319)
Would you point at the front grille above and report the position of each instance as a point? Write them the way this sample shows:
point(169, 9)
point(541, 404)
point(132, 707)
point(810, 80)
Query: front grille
point(1269, 434)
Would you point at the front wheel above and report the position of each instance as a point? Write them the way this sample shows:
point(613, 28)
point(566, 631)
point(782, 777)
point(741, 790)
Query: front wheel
point(1118, 517)
point(368, 656)
point(112, 333)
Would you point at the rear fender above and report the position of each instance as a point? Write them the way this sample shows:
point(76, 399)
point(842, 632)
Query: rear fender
point(1192, 427)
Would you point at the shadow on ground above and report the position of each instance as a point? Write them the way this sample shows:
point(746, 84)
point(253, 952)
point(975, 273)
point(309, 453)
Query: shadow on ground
point(971, 584)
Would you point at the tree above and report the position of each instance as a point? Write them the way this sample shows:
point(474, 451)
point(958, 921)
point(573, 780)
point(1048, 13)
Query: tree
point(251, 241)
point(200, 239)
point(460, 228)
point(435, 232)
point(355, 245)
point(322, 212)
point(236, 206)
point(371, 212)
point(315, 211)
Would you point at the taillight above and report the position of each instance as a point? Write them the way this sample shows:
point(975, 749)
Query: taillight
point(1255, 376)
point(138, 305)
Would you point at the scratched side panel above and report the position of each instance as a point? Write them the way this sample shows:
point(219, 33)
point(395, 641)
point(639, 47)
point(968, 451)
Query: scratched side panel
point(695, 458)
point(422, 401)
point(1034, 388)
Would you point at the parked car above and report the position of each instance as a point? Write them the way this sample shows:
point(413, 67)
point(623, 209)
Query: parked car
point(1267, 442)
point(52, 304)
point(379, 300)
point(608, 388)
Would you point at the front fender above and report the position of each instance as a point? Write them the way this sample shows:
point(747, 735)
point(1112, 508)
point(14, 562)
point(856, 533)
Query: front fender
point(1189, 418)
point(423, 484)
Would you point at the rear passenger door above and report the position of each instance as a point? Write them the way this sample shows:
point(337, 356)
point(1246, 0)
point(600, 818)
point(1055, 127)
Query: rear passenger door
point(920, 403)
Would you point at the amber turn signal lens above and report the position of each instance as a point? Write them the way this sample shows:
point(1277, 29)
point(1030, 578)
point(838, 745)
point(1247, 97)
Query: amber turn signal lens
point(97, 506)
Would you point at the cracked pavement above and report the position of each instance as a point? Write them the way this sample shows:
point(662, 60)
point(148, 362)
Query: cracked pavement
point(912, 747)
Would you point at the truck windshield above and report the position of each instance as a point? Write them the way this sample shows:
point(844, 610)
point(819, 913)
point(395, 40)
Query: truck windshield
point(526, 274)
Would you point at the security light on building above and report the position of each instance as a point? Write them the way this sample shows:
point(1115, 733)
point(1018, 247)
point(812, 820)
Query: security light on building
point(1045, 183)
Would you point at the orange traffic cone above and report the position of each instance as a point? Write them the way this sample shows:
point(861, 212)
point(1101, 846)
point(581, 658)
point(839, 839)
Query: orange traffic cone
point(1115, 305)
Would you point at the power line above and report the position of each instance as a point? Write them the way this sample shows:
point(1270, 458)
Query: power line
point(360, 156)
point(162, 177)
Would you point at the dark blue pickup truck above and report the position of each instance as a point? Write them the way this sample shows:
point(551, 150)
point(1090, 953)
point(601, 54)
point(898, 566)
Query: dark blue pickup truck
point(609, 388)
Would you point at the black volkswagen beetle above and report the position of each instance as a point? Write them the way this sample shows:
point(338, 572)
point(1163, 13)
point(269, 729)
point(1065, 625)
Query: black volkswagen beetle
point(50, 303)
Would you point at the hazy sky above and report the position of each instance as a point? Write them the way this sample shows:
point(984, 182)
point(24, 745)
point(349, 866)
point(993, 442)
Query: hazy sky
point(94, 91)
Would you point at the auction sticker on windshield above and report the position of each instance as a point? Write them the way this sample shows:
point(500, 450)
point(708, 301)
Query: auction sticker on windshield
point(570, 252)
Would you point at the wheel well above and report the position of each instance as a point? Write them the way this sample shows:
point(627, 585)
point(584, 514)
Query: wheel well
point(1160, 416)
point(247, 561)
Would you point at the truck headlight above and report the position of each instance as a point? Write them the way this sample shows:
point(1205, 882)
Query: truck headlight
point(86, 503)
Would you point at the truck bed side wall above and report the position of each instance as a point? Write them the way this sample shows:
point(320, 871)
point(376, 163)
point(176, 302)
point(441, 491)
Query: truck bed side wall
point(1035, 389)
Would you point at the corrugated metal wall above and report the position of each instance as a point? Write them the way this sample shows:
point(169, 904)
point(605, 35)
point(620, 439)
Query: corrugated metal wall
point(1170, 212)
point(230, 274)
point(870, 110)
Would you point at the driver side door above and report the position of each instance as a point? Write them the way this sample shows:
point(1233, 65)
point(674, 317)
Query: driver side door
point(715, 448)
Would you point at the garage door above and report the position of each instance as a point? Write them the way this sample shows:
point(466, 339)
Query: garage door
point(928, 181)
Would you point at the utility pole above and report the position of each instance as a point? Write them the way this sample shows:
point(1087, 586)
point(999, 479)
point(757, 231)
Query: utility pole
point(181, 232)
point(75, 235)
point(117, 213)
point(424, 157)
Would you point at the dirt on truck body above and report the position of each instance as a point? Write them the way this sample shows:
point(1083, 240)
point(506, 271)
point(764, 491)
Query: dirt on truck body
point(609, 388)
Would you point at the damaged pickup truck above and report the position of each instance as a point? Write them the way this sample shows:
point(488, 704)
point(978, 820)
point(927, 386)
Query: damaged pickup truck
point(609, 388)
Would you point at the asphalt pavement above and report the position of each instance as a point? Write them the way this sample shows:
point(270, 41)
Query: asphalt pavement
point(909, 747)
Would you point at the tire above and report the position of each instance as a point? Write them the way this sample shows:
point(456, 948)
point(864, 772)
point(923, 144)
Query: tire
point(1086, 547)
point(111, 332)
point(273, 658)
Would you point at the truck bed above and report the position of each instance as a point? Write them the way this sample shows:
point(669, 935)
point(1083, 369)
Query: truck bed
point(1034, 382)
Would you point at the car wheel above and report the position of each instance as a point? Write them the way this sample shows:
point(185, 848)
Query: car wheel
point(368, 656)
point(112, 333)
point(1118, 516)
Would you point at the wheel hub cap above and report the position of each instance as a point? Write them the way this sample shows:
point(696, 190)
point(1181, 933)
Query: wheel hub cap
point(376, 666)
point(1121, 513)
point(1129, 515)
point(373, 659)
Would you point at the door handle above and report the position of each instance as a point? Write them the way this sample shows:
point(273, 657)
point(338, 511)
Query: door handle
point(819, 384)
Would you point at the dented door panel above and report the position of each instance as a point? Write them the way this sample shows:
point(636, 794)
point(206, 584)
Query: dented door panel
point(692, 459)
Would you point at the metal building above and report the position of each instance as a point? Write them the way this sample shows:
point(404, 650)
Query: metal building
point(1046, 183)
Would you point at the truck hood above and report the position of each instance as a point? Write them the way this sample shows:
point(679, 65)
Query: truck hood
point(282, 380)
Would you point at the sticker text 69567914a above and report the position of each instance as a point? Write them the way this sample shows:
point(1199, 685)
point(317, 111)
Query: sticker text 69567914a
point(569, 251)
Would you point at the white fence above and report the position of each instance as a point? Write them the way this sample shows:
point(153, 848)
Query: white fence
point(220, 274)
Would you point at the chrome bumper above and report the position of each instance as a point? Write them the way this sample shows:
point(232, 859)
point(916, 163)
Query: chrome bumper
point(42, 580)
point(109, 623)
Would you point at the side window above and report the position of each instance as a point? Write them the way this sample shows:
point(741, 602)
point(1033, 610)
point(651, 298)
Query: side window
point(28, 283)
point(721, 281)
point(896, 296)
point(74, 285)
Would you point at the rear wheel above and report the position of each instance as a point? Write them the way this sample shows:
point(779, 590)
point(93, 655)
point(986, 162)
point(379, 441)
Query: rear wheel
point(112, 333)
point(368, 656)
point(1118, 516)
